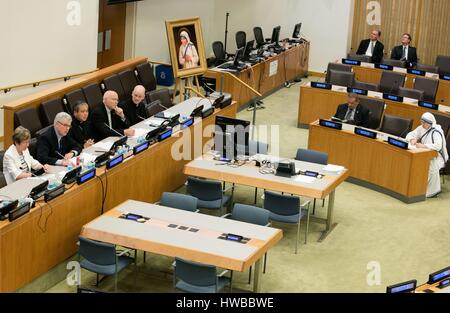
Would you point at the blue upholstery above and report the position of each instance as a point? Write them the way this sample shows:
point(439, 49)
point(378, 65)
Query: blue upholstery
point(179, 201)
point(214, 204)
point(198, 278)
point(312, 156)
point(289, 219)
point(209, 193)
point(254, 147)
point(250, 214)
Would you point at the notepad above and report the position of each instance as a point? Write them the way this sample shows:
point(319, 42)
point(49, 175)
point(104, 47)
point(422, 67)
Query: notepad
point(333, 168)
point(138, 132)
point(304, 179)
point(103, 145)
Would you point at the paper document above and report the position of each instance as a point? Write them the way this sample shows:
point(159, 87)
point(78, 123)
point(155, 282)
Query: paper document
point(103, 145)
point(155, 122)
point(138, 132)
point(333, 168)
point(87, 157)
point(304, 179)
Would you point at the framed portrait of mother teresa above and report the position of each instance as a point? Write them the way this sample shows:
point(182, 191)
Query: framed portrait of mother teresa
point(187, 51)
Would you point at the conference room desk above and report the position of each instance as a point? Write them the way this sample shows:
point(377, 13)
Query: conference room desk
point(45, 237)
point(203, 245)
point(266, 76)
point(249, 175)
point(373, 163)
point(367, 72)
point(432, 287)
point(315, 103)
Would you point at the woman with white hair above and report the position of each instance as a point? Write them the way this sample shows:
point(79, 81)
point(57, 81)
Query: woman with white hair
point(188, 56)
point(429, 135)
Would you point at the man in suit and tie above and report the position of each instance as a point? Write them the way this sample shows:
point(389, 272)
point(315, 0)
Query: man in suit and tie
point(54, 146)
point(352, 112)
point(372, 47)
point(109, 120)
point(405, 52)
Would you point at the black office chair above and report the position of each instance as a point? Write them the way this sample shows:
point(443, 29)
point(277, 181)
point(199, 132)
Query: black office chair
point(336, 67)
point(49, 109)
point(365, 86)
point(444, 121)
point(153, 108)
point(359, 57)
point(146, 76)
point(395, 63)
point(410, 93)
point(241, 39)
point(376, 108)
point(260, 41)
point(219, 53)
point(71, 98)
point(162, 95)
point(391, 82)
point(28, 118)
point(429, 86)
point(427, 68)
point(113, 83)
point(129, 81)
point(443, 63)
point(395, 125)
point(340, 78)
point(94, 96)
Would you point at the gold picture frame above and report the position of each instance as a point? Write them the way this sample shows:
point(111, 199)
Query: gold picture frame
point(188, 56)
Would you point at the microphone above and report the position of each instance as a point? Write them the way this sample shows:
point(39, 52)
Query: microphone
point(60, 154)
point(404, 132)
point(142, 119)
point(393, 87)
point(113, 130)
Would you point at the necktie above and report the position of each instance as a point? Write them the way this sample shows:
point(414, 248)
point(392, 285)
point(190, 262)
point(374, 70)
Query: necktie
point(59, 145)
point(109, 119)
point(348, 115)
point(372, 46)
point(404, 53)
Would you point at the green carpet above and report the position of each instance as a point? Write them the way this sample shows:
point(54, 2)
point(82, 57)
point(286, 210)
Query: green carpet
point(406, 241)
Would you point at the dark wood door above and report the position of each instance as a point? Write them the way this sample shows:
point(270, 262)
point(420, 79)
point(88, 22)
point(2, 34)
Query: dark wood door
point(111, 29)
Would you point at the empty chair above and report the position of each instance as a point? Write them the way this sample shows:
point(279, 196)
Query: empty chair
point(28, 118)
point(146, 76)
point(358, 57)
point(365, 86)
point(395, 63)
point(287, 209)
point(198, 278)
point(341, 78)
point(337, 67)
point(376, 108)
point(71, 98)
point(209, 193)
point(395, 125)
point(444, 121)
point(443, 63)
point(94, 96)
point(391, 81)
point(129, 81)
point(153, 108)
point(179, 201)
point(113, 83)
point(49, 109)
point(410, 93)
point(429, 86)
point(101, 258)
point(258, 33)
point(162, 95)
point(241, 39)
point(253, 215)
point(219, 53)
point(427, 68)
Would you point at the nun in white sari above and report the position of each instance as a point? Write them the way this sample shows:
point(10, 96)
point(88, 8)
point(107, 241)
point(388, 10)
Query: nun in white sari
point(431, 136)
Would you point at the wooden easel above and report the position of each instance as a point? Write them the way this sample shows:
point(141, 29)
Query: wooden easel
point(187, 83)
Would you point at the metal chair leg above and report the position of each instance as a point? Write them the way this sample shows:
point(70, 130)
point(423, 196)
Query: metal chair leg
point(97, 280)
point(256, 194)
point(231, 281)
point(144, 256)
point(115, 282)
point(298, 235)
point(250, 275)
point(307, 226)
point(265, 262)
point(323, 202)
point(314, 206)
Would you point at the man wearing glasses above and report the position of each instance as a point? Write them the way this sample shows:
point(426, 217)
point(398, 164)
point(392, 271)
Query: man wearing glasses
point(54, 146)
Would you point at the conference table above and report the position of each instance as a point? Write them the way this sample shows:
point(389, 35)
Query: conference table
point(192, 236)
point(47, 235)
point(249, 174)
point(367, 72)
point(316, 103)
point(266, 76)
point(373, 163)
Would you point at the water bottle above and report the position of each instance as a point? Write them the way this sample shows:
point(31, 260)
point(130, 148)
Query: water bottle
point(69, 167)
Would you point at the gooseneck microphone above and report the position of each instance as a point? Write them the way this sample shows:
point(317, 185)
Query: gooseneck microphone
point(121, 135)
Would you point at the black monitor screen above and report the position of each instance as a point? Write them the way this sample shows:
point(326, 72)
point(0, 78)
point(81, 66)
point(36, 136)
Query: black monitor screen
point(229, 134)
point(296, 33)
point(276, 34)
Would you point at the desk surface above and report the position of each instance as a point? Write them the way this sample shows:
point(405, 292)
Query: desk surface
point(203, 246)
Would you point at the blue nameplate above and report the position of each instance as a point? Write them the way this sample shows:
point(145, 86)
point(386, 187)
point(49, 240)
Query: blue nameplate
point(357, 91)
point(444, 284)
point(351, 62)
point(392, 97)
point(366, 133)
point(403, 287)
point(187, 123)
point(416, 72)
point(164, 135)
point(141, 147)
point(330, 124)
point(321, 85)
point(114, 162)
point(444, 76)
point(384, 67)
point(311, 174)
point(398, 143)
point(439, 275)
point(86, 176)
point(429, 105)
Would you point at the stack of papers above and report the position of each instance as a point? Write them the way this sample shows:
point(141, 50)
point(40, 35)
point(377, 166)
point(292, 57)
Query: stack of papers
point(333, 168)
point(304, 179)
point(103, 145)
point(138, 132)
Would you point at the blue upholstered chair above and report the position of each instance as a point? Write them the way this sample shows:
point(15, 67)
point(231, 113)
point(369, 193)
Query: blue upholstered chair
point(179, 201)
point(209, 193)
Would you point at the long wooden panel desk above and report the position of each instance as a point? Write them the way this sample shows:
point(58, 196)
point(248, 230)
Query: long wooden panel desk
point(315, 103)
point(373, 163)
point(46, 236)
point(266, 76)
point(58, 91)
point(250, 175)
point(203, 245)
point(366, 72)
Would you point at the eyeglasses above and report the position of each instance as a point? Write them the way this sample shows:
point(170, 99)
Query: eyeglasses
point(65, 125)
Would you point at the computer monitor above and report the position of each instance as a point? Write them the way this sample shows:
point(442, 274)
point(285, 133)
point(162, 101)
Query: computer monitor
point(239, 54)
point(119, 142)
point(296, 33)
point(276, 35)
point(229, 134)
point(248, 48)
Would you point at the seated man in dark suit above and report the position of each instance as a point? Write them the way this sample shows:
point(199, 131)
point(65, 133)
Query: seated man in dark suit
point(372, 47)
point(352, 112)
point(54, 146)
point(135, 107)
point(109, 120)
point(81, 130)
point(405, 52)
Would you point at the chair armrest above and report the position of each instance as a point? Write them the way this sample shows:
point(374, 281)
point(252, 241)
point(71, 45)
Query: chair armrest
point(366, 86)
point(307, 203)
point(223, 273)
point(196, 211)
point(268, 224)
point(123, 252)
point(226, 215)
point(226, 189)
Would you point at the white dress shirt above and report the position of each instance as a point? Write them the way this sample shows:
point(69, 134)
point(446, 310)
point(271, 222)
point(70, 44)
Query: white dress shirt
point(369, 51)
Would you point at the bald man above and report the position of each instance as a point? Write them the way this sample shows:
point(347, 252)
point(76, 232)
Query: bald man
point(135, 107)
point(109, 119)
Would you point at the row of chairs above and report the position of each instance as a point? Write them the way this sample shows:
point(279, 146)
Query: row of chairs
point(391, 82)
point(441, 65)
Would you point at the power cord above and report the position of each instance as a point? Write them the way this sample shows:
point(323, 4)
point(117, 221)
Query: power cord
point(44, 229)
